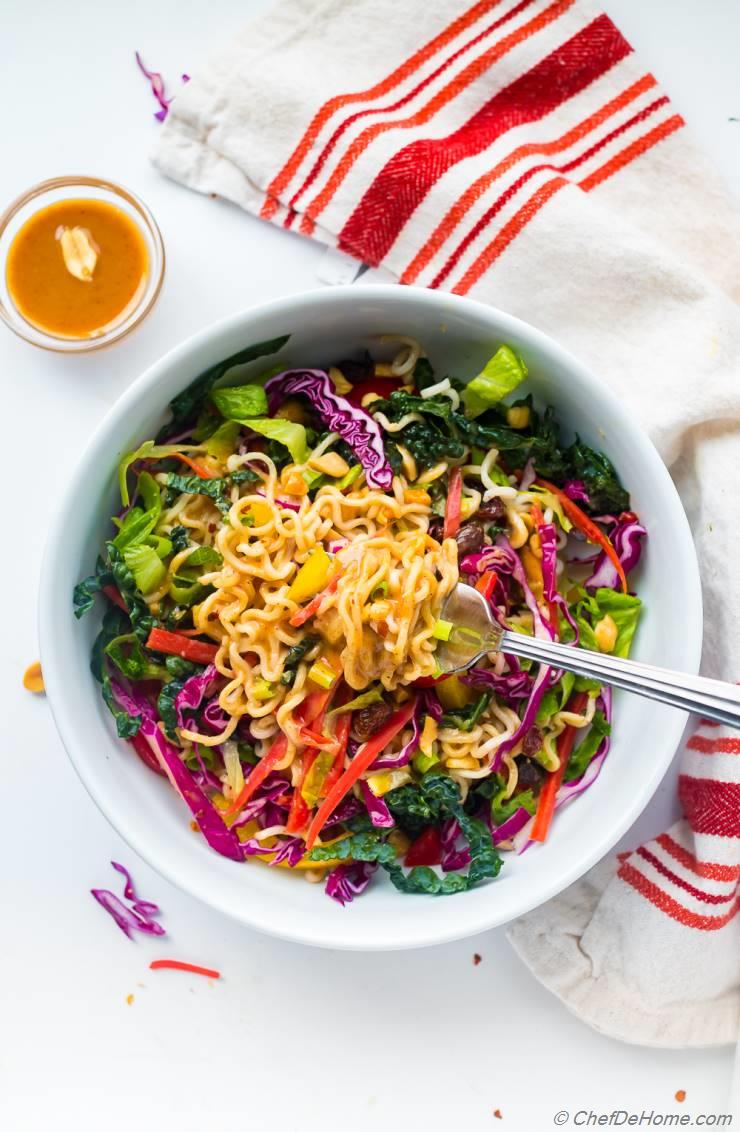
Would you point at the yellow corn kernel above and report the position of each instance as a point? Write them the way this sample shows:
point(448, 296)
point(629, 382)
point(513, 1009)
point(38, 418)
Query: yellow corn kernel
point(518, 416)
point(312, 577)
point(461, 762)
point(408, 463)
point(428, 735)
point(386, 780)
point(415, 495)
point(33, 679)
point(369, 398)
point(292, 481)
point(260, 512)
point(605, 632)
point(329, 464)
point(339, 381)
point(468, 506)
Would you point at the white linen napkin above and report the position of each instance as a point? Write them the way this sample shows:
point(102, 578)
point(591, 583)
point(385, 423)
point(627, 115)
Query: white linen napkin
point(521, 153)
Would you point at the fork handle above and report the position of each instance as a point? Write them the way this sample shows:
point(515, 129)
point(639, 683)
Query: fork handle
point(714, 699)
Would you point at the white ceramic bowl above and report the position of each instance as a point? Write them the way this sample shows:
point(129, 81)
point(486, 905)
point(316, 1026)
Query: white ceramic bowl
point(459, 336)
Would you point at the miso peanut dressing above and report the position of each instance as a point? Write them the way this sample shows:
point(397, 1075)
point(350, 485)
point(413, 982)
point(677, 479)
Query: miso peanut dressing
point(77, 267)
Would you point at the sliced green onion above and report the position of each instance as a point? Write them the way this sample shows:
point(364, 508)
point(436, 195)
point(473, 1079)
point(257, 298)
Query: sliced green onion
point(442, 630)
point(322, 673)
point(349, 477)
point(372, 696)
point(380, 590)
point(423, 762)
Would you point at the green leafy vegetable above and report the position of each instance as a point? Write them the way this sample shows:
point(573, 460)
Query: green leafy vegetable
point(221, 443)
point(423, 374)
point(179, 538)
point(502, 808)
point(366, 845)
point(146, 566)
point(115, 624)
point(206, 557)
point(188, 404)
point(499, 377)
point(587, 748)
point(193, 485)
point(465, 719)
point(287, 433)
point(130, 658)
point(295, 656)
point(624, 609)
point(83, 595)
point(599, 477)
point(142, 619)
point(238, 401)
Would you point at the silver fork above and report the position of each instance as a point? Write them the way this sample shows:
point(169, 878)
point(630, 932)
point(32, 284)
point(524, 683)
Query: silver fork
point(475, 633)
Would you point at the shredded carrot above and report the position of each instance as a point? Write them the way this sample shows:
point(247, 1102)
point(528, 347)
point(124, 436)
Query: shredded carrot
point(197, 468)
point(178, 965)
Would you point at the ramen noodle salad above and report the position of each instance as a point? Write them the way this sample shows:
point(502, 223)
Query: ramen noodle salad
point(273, 587)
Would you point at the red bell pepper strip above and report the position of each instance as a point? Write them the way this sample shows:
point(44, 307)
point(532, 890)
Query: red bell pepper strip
point(145, 753)
point(430, 681)
point(486, 584)
point(546, 803)
point(113, 595)
point(341, 735)
point(178, 965)
point(316, 739)
point(258, 775)
point(587, 527)
point(299, 811)
point(426, 850)
point(453, 504)
point(162, 640)
point(360, 763)
point(302, 615)
point(383, 386)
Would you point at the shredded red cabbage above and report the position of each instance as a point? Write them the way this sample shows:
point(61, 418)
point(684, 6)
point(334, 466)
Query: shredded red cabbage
point(193, 691)
point(576, 490)
point(380, 815)
point(158, 89)
point(139, 917)
point(626, 536)
point(344, 882)
point(511, 826)
point(356, 427)
point(549, 543)
point(510, 686)
point(210, 822)
point(453, 858)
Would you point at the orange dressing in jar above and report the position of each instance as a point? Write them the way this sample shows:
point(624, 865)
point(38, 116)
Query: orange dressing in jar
point(77, 267)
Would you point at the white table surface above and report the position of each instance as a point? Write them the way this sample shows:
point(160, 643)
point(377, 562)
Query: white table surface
point(292, 1036)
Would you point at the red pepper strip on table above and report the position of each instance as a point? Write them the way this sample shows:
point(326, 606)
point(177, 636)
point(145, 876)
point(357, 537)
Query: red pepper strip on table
point(383, 386)
point(426, 850)
point(113, 595)
point(362, 760)
point(178, 965)
point(303, 615)
point(175, 644)
point(453, 504)
point(258, 775)
point(553, 782)
point(587, 527)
